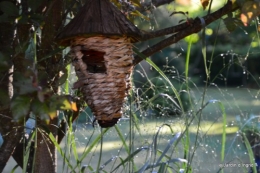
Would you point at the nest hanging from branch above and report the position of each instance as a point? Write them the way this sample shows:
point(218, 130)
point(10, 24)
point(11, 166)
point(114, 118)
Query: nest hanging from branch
point(100, 38)
point(103, 66)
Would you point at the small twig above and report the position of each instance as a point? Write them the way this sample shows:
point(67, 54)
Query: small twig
point(5, 116)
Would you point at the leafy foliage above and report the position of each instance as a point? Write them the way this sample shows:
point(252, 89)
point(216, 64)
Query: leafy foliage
point(20, 106)
point(9, 10)
point(250, 10)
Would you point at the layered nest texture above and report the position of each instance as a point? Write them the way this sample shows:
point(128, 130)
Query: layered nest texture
point(103, 66)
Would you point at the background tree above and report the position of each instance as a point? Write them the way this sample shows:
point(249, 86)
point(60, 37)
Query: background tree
point(32, 66)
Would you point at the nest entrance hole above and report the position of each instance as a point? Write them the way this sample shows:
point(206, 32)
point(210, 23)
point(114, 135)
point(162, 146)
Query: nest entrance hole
point(94, 60)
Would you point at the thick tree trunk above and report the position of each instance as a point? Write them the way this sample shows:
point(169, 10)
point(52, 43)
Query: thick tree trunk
point(12, 135)
point(10, 131)
point(46, 156)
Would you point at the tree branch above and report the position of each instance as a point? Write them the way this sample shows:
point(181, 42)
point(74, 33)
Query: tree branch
point(165, 31)
point(195, 26)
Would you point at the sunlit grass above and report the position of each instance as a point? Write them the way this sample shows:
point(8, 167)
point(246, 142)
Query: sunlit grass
point(151, 128)
point(210, 130)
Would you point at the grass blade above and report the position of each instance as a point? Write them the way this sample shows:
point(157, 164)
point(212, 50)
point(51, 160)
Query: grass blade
point(122, 139)
point(66, 87)
point(162, 168)
point(188, 58)
point(52, 138)
point(144, 167)
point(107, 162)
point(92, 145)
point(156, 137)
point(169, 161)
point(131, 156)
point(150, 62)
point(224, 115)
point(14, 168)
point(250, 153)
point(168, 146)
point(84, 167)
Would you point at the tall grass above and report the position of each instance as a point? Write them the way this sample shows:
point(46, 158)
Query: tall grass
point(163, 148)
point(155, 159)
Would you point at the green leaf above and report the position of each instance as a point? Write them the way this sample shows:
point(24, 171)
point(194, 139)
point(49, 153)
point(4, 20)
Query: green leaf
point(63, 78)
point(33, 4)
point(23, 84)
point(37, 19)
point(4, 18)
point(40, 109)
point(23, 19)
point(229, 24)
point(20, 106)
point(4, 65)
point(5, 99)
point(9, 8)
point(232, 23)
point(63, 102)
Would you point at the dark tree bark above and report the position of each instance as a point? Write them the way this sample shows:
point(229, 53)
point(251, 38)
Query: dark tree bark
point(45, 152)
point(10, 131)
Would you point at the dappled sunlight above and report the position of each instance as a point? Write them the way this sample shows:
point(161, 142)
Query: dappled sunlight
point(212, 129)
point(150, 129)
point(255, 103)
